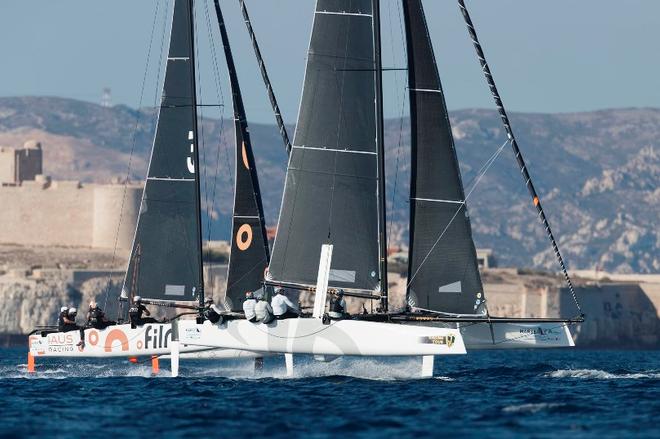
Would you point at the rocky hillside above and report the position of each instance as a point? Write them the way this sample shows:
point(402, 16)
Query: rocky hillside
point(598, 173)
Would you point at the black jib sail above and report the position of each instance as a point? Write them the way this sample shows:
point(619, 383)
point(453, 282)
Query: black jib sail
point(443, 270)
point(249, 245)
point(331, 192)
point(166, 258)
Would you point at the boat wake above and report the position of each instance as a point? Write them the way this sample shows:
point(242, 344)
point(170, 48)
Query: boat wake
point(531, 408)
point(374, 369)
point(76, 370)
point(596, 374)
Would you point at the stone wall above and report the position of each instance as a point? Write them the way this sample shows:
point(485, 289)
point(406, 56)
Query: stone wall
point(68, 213)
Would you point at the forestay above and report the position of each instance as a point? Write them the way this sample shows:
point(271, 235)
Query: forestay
point(331, 189)
point(165, 260)
point(443, 270)
point(249, 245)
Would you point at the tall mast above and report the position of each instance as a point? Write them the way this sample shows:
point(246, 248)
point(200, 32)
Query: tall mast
point(332, 193)
point(193, 85)
point(264, 76)
point(249, 253)
point(382, 224)
point(168, 235)
point(443, 273)
point(516, 150)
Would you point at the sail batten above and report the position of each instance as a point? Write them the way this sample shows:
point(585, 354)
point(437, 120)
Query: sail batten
point(165, 260)
point(443, 269)
point(331, 191)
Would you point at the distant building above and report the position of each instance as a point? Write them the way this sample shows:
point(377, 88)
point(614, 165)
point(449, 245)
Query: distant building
point(39, 211)
point(20, 164)
point(485, 258)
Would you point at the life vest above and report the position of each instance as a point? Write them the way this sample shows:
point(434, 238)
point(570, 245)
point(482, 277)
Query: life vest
point(264, 312)
point(60, 321)
point(96, 316)
point(336, 305)
point(134, 313)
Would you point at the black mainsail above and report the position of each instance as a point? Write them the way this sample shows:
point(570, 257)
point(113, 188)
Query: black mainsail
point(249, 245)
point(443, 270)
point(331, 193)
point(166, 259)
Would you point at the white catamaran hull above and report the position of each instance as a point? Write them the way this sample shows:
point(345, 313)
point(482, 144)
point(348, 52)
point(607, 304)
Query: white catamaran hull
point(509, 335)
point(517, 335)
point(119, 341)
point(312, 336)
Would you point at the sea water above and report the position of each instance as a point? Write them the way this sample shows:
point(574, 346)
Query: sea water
point(503, 394)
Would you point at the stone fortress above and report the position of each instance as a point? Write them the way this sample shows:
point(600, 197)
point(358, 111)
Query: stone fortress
point(37, 210)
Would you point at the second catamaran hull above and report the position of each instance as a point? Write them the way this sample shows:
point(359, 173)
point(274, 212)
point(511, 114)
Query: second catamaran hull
point(511, 335)
point(311, 336)
point(119, 341)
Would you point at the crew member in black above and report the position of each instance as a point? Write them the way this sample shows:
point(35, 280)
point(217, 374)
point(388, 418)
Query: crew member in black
point(96, 317)
point(136, 311)
point(69, 324)
point(61, 317)
point(337, 309)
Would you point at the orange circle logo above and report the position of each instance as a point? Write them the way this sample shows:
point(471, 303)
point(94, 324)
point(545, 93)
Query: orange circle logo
point(93, 338)
point(244, 237)
point(112, 337)
point(244, 155)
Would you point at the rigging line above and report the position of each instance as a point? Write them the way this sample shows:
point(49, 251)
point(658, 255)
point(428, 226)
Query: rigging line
point(462, 206)
point(514, 144)
point(200, 120)
point(266, 79)
point(220, 96)
point(470, 185)
point(133, 143)
point(402, 100)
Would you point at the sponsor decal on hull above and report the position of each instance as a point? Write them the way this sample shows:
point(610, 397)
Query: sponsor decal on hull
point(151, 337)
point(439, 339)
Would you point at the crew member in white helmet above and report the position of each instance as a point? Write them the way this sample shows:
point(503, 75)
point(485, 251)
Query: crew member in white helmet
point(283, 308)
point(248, 307)
point(263, 310)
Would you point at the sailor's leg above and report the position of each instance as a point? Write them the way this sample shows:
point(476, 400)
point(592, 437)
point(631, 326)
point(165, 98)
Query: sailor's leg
point(155, 367)
point(288, 359)
point(427, 366)
point(259, 364)
point(82, 336)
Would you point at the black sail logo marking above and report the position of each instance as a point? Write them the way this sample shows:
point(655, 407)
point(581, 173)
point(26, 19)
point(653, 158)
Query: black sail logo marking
point(190, 163)
point(244, 237)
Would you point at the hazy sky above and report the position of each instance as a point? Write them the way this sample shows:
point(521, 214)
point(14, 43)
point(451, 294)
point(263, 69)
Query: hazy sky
point(547, 56)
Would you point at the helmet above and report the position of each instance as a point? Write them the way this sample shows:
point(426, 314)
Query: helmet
point(340, 292)
point(73, 311)
point(64, 309)
point(137, 299)
point(279, 290)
